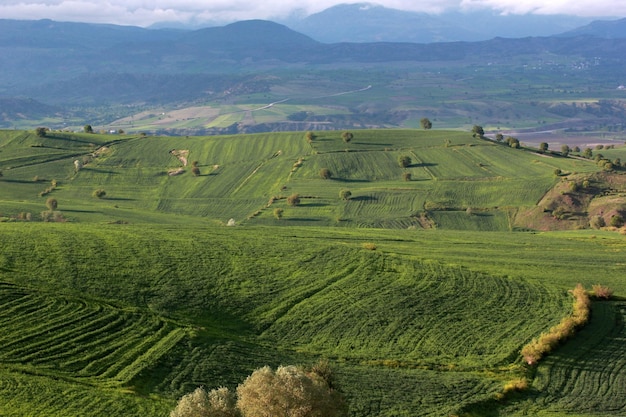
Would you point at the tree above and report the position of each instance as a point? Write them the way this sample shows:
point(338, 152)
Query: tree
point(406, 176)
point(565, 150)
point(325, 173)
point(587, 153)
point(543, 146)
point(347, 136)
point(290, 391)
point(41, 131)
point(597, 222)
point(426, 123)
point(310, 136)
point(499, 137)
point(478, 131)
point(99, 193)
point(88, 129)
point(278, 213)
point(404, 161)
point(293, 199)
point(617, 221)
point(52, 204)
point(345, 194)
point(217, 403)
point(195, 171)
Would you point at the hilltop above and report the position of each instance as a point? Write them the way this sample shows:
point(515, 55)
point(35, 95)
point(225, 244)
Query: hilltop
point(396, 179)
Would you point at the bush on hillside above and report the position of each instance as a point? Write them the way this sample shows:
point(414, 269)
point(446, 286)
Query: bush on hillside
point(404, 161)
point(345, 194)
point(99, 193)
point(288, 391)
point(325, 173)
point(293, 199)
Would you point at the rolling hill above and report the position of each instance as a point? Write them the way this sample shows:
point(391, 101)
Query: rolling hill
point(136, 296)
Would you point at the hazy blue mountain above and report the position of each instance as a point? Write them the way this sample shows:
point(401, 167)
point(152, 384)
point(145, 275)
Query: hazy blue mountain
point(611, 29)
point(65, 63)
point(364, 22)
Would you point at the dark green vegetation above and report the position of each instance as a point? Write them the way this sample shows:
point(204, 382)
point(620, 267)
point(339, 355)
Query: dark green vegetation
point(142, 294)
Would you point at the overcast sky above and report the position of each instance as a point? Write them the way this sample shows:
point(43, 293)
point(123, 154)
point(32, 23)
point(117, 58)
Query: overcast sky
point(147, 12)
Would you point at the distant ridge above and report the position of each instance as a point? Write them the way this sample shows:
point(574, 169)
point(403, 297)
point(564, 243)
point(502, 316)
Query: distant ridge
point(606, 29)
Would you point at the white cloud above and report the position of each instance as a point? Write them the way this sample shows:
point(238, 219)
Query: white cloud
point(147, 12)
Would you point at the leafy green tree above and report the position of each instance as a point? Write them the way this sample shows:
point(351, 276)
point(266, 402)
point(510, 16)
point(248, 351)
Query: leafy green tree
point(310, 136)
point(499, 137)
point(404, 161)
point(587, 153)
point(88, 129)
point(195, 170)
point(478, 131)
point(345, 194)
point(426, 123)
point(543, 146)
point(565, 150)
point(41, 131)
point(278, 213)
point(347, 136)
point(406, 176)
point(325, 173)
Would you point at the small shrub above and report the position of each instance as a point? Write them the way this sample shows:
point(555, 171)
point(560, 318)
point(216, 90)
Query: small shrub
point(597, 222)
point(278, 213)
point(601, 291)
point(345, 194)
point(558, 172)
point(406, 176)
point(195, 171)
point(231, 222)
point(347, 136)
point(369, 246)
point(293, 199)
point(52, 204)
point(99, 193)
point(325, 173)
point(617, 221)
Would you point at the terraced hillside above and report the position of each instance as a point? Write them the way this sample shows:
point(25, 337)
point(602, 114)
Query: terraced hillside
point(452, 180)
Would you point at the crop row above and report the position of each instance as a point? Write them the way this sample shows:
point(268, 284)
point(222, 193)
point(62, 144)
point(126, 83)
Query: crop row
point(417, 312)
point(80, 339)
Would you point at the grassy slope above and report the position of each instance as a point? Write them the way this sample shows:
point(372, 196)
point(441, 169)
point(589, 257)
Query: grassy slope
point(450, 172)
point(427, 324)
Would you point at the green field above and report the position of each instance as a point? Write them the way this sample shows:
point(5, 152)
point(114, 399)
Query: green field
point(420, 306)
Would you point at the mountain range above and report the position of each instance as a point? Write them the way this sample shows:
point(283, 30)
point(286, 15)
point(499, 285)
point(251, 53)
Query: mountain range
point(66, 64)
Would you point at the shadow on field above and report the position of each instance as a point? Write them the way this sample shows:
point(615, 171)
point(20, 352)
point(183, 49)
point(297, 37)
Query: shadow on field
point(363, 198)
point(373, 144)
point(349, 180)
point(302, 219)
point(118, 199)
point(79, 211)
point(17, 181)
point(424, 164)
point(314, 205)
